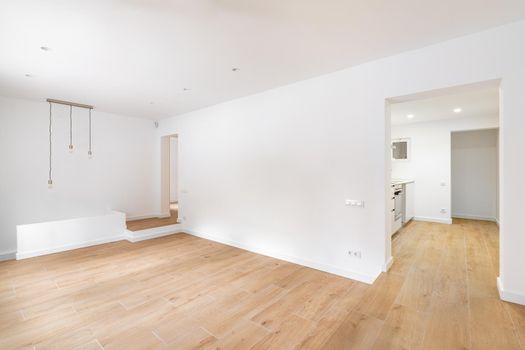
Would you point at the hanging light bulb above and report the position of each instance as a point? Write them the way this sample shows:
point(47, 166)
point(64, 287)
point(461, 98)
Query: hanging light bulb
point(70, 147)
point(70, 129)
point(90, 153)
point(50, 181)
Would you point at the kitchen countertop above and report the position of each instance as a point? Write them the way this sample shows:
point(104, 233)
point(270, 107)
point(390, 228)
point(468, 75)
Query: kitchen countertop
point(401, 182)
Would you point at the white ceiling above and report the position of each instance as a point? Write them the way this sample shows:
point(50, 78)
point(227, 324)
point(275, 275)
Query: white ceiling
point(135, 57)
point(481, 101)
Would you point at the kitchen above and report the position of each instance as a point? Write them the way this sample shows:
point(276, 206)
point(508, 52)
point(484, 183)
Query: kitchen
point(444, 156)
point(402, 203)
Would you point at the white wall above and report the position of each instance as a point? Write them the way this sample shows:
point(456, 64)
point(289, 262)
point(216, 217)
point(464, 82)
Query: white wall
point(121, 175)
point(475, 174)
point(173, 170)
point(61, 235)
point(430, 162)
point(272, 170)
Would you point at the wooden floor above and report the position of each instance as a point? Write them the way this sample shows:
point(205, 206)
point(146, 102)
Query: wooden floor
point(182, 292)
point(144, 224)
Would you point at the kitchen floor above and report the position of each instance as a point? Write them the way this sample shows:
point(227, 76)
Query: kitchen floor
point(182, 292)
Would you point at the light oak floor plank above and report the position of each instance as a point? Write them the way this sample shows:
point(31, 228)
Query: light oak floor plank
point(144, 224)
point(183, 292)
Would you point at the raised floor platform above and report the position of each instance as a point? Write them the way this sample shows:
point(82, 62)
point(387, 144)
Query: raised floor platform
point(144, 224)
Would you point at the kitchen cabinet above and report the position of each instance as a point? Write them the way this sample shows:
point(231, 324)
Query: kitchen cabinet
point(402, 203)
point(409, 201)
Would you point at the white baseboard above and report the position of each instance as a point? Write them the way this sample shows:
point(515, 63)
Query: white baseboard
point(509, 296)
point(430, 219)
point(66, 247)
point(131, 236)
point(388, 264)
point(474, 217)
point(137, 236)
point(7, 255)
point(369, 279)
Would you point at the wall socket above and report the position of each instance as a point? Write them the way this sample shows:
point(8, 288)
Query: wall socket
point(443, 211)
point(355, 253)
point(354, 203)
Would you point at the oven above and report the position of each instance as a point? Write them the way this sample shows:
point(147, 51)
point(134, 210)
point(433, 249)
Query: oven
point(398, 202)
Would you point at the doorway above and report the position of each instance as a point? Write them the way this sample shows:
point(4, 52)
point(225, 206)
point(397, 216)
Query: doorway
point(442, 153)
point(474, 165)
point(169, 189)
point(174, 178)
point(170, 177)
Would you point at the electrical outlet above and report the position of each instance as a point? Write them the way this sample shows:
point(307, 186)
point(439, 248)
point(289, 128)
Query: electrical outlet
point(443, 211)
point(355, 254)
point(354, 203)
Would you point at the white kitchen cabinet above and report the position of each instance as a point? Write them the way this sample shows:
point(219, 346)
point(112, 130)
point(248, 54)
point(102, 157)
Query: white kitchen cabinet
point(409, 201)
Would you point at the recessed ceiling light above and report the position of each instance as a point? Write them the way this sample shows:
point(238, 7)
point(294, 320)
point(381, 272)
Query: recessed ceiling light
point(235, 69)
point(410, 116)
point(45, 48)
point(457, 110)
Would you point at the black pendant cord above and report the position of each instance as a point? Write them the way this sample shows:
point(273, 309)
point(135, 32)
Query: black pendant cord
point(71, 105)
point(90, 153)
point(70, 128)
point(50, 180)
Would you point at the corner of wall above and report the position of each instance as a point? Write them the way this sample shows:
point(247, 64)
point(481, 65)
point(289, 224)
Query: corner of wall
point(509, 296)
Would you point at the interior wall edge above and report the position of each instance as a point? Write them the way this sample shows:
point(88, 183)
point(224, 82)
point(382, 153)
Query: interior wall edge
point(509, 296)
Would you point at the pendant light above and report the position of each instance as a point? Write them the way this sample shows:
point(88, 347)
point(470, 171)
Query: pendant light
point(50, 180)
point(71, 105)
point(70, 129)
point(90, 153)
